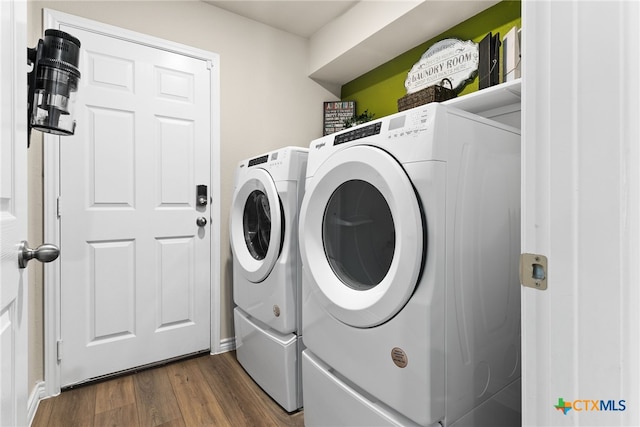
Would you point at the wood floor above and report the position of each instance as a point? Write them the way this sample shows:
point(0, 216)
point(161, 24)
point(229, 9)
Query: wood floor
point(203, 391)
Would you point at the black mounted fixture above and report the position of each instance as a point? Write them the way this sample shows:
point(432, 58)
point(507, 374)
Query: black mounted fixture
point(53, 83)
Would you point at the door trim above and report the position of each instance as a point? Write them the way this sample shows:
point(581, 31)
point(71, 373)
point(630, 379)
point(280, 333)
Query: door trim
point(53, 19)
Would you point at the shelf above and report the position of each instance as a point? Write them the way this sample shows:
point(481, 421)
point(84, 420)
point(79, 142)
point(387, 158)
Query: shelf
point(501, 96)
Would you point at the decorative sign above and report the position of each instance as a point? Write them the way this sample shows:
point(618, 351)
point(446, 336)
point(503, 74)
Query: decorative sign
point(335, 113)
point(451, 59)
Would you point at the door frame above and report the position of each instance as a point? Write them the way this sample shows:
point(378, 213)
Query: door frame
point(52, 302)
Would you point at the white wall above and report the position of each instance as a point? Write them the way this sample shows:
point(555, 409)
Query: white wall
point(581, 209)
point(267, 101)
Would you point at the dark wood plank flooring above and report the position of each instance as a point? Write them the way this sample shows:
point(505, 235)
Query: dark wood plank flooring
point(202, 391)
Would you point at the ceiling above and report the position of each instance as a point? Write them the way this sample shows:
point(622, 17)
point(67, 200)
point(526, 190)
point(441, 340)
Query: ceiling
point(301, 17)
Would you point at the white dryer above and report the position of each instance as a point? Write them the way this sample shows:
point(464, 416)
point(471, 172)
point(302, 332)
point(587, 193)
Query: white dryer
point(409, 237)
point(266, 271)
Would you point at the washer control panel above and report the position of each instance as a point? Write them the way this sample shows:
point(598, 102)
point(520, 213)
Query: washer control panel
point(258, 160)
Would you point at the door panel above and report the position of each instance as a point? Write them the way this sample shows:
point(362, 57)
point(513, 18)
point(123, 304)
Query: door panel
point(13, 214)
point(176, 288)
point(113, 144)
point(135, 266)
point(176, 158)
point(111, 296)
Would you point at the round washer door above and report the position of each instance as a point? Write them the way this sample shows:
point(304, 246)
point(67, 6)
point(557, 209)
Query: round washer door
point(256, 225)
point(361, 235)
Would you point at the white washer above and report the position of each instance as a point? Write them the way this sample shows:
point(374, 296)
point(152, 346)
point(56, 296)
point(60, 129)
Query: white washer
point(266, 271)
point(409, 237)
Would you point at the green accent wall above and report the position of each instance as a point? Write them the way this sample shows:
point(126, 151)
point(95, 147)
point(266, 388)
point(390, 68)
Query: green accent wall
point(379, 90)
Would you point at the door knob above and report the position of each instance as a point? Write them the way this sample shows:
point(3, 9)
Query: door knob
point(43, 253)
point(202, 221)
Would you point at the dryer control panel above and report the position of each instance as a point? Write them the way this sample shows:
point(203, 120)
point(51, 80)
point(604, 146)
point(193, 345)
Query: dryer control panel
point(361, 132)
point(398, 125)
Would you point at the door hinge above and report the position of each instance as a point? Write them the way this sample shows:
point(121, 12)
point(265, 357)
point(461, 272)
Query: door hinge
point(533, 271)
point(59, 350)
point(209, 65)
point(58, 207)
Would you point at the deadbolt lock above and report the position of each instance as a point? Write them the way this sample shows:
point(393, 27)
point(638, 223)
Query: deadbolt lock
point(202, 197)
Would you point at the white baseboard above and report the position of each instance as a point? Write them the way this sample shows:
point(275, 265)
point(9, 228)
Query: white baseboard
point(226, 344)
point(37, 394)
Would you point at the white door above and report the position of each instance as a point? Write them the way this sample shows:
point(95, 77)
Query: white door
point(581, 209)
point(135, 242)
point(362, 230)
point(13, 213)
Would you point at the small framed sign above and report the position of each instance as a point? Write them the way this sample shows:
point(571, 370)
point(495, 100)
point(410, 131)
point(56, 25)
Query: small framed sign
point(335, 113)
point(451, 59)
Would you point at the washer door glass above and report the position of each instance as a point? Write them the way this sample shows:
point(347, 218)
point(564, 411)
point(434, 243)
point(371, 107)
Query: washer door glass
point(358, 234)
point(361, 236)
point(256, 225)
point(256, 222)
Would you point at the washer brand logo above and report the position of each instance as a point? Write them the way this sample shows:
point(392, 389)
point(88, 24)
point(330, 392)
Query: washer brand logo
point(319, 146)
point(590, 405)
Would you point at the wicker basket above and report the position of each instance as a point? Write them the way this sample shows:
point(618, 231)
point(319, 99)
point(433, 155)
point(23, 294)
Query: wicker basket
point(424, 96)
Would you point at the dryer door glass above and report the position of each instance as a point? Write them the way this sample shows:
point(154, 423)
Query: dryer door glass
point(358, 234)
point(256, 222)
